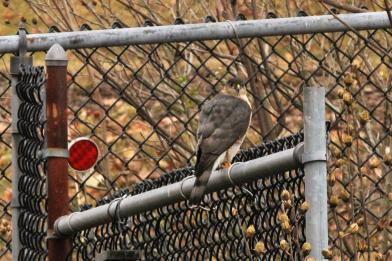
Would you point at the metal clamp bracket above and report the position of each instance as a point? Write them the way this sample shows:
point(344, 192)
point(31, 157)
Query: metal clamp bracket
point(22, 39)
point(52, 235)
point(298, 153)
point(319, 155)
point(56, 233)
point(56, 153)
point(229, 173)
point(15, 203)
point(182, 183)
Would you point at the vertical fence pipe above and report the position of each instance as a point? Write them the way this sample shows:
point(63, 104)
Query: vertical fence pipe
point(315, 166)
point(57, 151)
point(15, 62)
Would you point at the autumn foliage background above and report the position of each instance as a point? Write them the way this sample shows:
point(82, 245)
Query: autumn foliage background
point(140, 103)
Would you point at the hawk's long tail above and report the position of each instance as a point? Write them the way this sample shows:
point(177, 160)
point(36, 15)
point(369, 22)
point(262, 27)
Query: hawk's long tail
point(199, 188)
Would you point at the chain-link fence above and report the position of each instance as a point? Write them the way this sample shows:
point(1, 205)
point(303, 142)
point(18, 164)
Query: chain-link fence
point(5, 162)
point(140, 104)
point(31, 163)
point(241, 223)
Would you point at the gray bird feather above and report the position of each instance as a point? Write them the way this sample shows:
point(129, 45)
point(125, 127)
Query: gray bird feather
point(223, 121)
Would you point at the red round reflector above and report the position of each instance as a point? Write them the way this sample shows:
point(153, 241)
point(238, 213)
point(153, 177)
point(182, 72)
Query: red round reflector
point(83, 154)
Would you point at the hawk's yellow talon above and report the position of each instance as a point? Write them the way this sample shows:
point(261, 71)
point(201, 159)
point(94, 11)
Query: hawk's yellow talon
point(226, 165)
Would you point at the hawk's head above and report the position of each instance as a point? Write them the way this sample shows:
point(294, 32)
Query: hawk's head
point(236, 84)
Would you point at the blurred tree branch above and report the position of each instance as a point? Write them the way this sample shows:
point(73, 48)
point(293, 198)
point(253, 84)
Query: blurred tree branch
point(348, 8)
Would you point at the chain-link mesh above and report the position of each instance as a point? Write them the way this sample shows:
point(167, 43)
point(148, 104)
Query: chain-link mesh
point(140, 104)
point(5, 163)
point(228, 226)
point(32, 190)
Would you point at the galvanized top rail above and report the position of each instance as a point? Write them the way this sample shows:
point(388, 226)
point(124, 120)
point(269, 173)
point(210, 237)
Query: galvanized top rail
point(120, 208)
point(197, 32)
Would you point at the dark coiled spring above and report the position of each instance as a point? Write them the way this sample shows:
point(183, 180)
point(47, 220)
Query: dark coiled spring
point(31, 120)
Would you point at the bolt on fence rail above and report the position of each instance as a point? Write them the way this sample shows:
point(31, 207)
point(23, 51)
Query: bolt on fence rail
point(357, 99)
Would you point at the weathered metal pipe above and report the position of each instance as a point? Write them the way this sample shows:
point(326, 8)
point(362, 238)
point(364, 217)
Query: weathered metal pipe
point(57, 148)
point(315, 167)
point(197, 32)
point(180, 191)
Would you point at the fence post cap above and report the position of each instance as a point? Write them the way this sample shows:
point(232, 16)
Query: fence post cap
point(56, 56)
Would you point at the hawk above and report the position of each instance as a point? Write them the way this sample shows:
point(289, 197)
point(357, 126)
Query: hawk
point(224, 121)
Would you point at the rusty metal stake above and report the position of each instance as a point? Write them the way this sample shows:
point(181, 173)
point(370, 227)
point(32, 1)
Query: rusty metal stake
point(57, 148)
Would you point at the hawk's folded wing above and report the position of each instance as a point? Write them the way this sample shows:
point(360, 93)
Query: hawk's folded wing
point(223, 120)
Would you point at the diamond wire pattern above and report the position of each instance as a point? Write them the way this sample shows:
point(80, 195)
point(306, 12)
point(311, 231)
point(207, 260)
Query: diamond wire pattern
point(214, 232)
point(5, 162)
point(140, 104)
point(162, 86)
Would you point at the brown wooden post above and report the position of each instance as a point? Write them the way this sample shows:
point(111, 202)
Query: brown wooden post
point(57, 148)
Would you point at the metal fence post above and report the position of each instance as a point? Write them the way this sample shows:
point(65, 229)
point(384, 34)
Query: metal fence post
point(315, 166)
point(15, 62)
point(57, 148)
